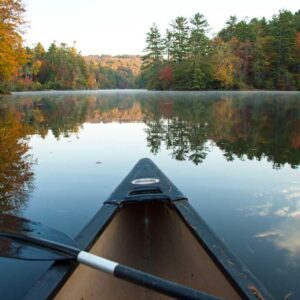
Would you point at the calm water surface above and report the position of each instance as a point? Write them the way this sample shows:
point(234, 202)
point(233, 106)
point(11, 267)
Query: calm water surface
point(235, 155)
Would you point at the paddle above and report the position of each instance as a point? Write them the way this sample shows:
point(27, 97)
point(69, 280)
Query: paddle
point(23, 239)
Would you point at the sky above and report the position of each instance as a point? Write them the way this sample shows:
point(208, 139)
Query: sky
point(120, 26)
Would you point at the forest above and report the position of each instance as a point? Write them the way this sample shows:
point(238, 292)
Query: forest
point(245, 55)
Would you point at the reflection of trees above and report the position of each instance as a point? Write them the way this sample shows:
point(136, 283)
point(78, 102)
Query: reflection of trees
point(64, 115)
point(15, 163)
point(154, 132)
point(185, 140)
point(61, 116)
point(260, 130)
point(182, 134)
point(254, 128)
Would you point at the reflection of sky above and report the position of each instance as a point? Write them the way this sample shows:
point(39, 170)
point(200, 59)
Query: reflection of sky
point(285, 235)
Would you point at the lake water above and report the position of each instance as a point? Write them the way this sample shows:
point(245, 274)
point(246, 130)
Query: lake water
point(236, 155)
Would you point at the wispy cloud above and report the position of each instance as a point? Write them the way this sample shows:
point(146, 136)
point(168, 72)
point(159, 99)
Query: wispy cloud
point(267, 234)
point(290, 198)
point(257, 210)
point(285, 237)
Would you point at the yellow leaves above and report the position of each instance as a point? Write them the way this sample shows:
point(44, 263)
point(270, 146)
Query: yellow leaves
point(12, 54)
point(15, 164)
point(224, 73)
point(133, 114)
point(36, 66)
point(223, 67)
point(116, 62)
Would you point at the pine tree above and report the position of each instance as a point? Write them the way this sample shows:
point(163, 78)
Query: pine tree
point(154, 48)
point(180, 49)
point(200, 49)
point(199, 42)
point(168, 41)
point(227, 33)
point(283, 33)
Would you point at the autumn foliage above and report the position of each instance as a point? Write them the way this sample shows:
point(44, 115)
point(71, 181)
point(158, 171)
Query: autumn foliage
point(166, 76)
point(12, 53)
point(246, 54)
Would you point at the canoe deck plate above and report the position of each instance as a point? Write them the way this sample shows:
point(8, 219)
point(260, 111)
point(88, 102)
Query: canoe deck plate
point(145, 181)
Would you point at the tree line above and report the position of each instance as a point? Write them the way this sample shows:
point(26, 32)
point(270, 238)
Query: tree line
point(62, 67)
point(58, 67)
point(246, 54)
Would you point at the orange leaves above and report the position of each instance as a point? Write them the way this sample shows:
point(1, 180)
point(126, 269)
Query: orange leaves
point(12, 54)
point(15, 162)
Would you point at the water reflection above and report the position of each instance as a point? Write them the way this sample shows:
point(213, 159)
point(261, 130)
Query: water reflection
point(252, 126)
point(16, 176)
point(267, 128)
point(261, 204)
point(286, 235)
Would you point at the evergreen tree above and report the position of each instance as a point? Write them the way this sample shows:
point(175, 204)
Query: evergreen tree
point(180, 48)
point(261, 68)
point(168, 41)
point(229, 31)
point(199, 42)
point(200, 48)
point(154, 48)
point(283, 33)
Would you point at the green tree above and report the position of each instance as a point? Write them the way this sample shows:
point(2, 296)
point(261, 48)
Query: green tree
point(180, 49)
point(199, 42)
point(154, 48)
point(229, 31)
point(168, 41)
point(283, 34)
point(152, 60)
point(200, 51)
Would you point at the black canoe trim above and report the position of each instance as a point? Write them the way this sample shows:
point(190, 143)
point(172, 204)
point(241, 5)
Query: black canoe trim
point(240, 277)
point(127, 192)
point(54, 278)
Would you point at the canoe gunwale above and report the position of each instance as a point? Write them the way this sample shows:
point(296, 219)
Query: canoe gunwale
point(58, 273)
point(237, 273)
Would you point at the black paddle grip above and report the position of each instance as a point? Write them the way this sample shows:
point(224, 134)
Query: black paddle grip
point(160, 285)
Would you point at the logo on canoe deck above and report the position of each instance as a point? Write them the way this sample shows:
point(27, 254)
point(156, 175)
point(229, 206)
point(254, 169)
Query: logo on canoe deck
point(145, 181)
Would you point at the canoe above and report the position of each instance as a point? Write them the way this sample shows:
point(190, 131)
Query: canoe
point(148, 224)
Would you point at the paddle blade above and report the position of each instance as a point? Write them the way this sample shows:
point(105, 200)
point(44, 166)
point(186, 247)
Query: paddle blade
point(20, 249)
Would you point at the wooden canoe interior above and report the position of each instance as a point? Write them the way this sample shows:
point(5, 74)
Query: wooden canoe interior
point(153, 238)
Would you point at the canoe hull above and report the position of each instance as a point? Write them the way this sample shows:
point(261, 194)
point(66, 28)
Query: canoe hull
point(151, 227)
point(149, 237)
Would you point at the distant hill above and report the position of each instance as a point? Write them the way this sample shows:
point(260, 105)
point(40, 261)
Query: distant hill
point(132, 62)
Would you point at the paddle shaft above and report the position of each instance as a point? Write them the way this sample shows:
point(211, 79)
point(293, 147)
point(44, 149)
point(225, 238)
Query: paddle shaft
point(137, 277)
point(144, 279)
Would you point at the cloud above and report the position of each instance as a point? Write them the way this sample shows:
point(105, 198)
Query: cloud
point(257, 210)
point(285, 237)
point(267, 234)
